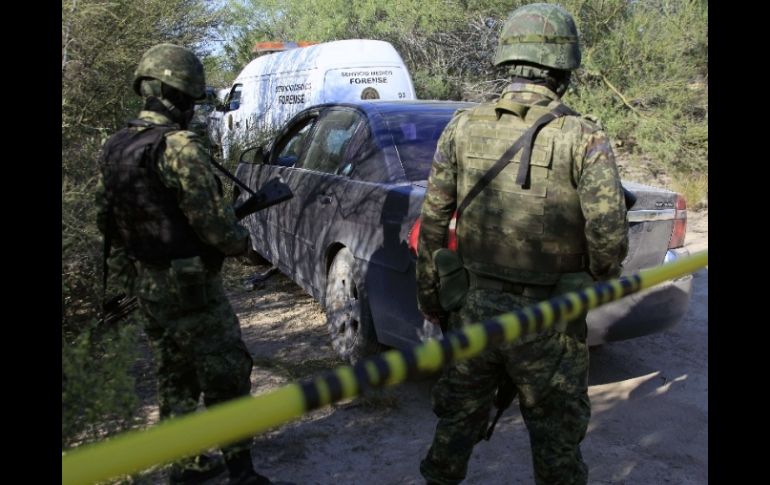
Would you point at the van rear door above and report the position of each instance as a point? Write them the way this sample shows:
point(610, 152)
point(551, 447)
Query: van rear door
point(357, 83)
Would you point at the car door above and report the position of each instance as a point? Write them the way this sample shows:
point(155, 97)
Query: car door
point(270, 228)
point(230, 121)
point(320, 177)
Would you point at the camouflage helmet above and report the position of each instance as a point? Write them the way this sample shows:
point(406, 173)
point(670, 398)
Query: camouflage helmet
point(173, 65)
point(542, 34)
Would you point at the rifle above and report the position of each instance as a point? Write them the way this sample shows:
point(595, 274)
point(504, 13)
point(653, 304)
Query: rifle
point(506, 392)
point(273, 192)
point(117, 308)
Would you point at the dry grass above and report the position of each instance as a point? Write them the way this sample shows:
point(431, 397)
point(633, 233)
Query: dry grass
point(694, 188)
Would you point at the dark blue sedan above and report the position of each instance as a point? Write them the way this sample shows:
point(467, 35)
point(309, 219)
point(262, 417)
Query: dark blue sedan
point(359, 173)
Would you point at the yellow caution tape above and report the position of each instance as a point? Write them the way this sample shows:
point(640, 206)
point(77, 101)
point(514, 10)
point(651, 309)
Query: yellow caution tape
point(235, 420)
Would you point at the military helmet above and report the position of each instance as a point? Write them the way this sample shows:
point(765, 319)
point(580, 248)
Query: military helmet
point(173, 65)
point(540, 33)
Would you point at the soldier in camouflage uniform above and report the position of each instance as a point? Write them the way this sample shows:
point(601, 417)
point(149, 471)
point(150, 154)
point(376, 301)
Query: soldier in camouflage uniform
point(562, 229)
point(163, 209)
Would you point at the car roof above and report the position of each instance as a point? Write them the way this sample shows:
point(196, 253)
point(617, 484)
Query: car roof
point(384, 106)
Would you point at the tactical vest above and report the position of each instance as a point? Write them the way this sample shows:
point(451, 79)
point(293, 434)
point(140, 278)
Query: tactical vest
point(144, 212)
point(532, 233)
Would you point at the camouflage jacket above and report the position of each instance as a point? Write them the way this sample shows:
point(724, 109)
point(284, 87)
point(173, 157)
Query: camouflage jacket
point(185, 168)
point(595, 180)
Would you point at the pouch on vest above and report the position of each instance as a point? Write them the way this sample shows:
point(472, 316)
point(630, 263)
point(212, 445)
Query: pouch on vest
point(189, 276)
point(573, 282)
point(453, 279)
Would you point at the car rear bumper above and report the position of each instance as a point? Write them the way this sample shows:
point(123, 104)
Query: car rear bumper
point(643, 313)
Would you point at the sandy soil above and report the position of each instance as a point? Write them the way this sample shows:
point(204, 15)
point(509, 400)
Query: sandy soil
point(649, 404)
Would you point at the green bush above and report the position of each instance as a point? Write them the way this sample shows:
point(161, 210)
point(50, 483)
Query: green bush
point(645, 75)
point(98, 397)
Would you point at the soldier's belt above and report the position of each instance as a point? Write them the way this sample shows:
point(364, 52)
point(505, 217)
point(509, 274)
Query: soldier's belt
point(489, 252)
point(528, 290)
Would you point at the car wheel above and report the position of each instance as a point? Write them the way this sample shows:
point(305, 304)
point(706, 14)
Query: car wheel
point(348, 317)
point(253, 258)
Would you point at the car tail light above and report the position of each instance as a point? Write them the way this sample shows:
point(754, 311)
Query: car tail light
point(452, 233)
point(680, 223)
point(414, 235)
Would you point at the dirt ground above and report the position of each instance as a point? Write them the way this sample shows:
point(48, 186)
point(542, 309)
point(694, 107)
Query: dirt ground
point(649, 399)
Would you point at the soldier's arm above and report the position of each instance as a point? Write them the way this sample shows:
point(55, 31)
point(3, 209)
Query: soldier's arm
point(440, 203)
point(603, 206)
point(187, 169)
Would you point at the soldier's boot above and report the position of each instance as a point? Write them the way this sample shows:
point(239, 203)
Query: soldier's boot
point(242, 472)
point(202, 468)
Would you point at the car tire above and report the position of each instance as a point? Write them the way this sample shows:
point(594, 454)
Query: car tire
point(348, 317)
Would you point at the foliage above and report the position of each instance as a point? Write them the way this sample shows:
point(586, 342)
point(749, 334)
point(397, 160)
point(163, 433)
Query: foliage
point(98, 396)
point(645, 74)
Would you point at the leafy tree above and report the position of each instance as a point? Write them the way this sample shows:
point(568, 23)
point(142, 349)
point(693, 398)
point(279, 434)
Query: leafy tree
point(644, 73)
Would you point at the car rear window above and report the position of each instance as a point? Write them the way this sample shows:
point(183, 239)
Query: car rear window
point(415, 135)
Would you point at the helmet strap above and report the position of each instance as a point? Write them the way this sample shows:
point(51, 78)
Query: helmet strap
point(528, 72)
point(171, 102)
point(556, 80)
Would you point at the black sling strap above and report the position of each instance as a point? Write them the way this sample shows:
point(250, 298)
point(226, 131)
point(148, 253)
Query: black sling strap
point(526, 140)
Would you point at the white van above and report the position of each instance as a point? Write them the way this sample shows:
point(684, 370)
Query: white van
point(273, 88)
point(214, 125)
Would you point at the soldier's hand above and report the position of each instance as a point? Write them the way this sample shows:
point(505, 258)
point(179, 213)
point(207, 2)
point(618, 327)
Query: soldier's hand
point(246, 246)
point(435, 317)
point(439, 318)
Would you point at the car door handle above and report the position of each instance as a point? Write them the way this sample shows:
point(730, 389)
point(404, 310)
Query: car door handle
point(325, 199)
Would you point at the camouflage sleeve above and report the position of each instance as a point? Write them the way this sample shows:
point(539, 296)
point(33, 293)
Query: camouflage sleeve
point(440, 203)
point(187, 169)
point(602, 203)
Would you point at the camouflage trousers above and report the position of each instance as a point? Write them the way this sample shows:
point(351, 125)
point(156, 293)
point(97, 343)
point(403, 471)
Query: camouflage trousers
point(550, 375)
point(198, 346)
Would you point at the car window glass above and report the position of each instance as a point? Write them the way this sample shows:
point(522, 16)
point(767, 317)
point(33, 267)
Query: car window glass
point(234, 99)
point(290, 148)
point(415, 135)
point(330, 140)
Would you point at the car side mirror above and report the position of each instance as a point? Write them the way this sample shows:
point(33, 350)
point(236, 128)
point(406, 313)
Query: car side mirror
point(253, 155)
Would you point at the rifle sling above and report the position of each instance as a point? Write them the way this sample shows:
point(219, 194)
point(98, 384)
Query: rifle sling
point(491, 429)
